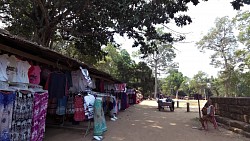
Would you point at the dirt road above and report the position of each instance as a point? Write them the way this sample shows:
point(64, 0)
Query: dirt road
point(144, 122)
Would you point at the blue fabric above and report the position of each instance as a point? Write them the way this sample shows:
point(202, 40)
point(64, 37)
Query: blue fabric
point(61, 107)
point(6, 109)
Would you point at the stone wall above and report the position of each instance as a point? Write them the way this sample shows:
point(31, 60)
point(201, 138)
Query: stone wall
point(233, 108)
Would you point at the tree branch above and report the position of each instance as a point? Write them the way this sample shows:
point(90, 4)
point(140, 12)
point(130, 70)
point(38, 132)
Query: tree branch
point(44, 12)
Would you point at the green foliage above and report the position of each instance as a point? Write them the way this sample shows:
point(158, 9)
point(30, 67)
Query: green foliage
point(119, 64)
point(90, 24)
point(222, 42)
point(173, 82)
point(243, 19)
point(199, 82)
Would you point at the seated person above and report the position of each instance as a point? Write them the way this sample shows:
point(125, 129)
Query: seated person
point(208, 115)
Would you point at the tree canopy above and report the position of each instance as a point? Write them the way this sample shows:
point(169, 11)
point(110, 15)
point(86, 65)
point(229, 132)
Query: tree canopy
point(90, 24)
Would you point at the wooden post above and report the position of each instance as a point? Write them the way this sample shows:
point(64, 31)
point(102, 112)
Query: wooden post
point(199, 107)
point(188, 109)
point(177, 104)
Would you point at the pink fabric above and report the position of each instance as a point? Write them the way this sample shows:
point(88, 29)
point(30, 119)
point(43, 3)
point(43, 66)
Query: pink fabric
point(39, 116)
point(79, 109)
point(34, 74)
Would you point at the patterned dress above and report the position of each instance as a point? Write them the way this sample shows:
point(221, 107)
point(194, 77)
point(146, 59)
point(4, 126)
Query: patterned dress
point(99, 119)
point(39, 116)
point(6, 110)
point(79, 109)
point(22, 117)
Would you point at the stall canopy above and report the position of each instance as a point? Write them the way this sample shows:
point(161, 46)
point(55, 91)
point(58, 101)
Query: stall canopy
point(24, 48)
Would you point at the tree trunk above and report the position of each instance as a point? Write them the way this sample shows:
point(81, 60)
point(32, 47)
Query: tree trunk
point(43, 36)
point(177, 92)
point(155, 79)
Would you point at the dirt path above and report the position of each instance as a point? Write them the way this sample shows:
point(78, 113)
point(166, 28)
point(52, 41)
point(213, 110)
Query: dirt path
point(144, 122)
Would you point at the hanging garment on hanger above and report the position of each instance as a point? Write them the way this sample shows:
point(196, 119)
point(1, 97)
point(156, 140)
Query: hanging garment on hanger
point(56, 85)
point(3, 66)
point(89, 101)
point(61, 106)
point(12, 69)
point(70, 105)
point(34, 74)
point(79, 114)
point(22, 71)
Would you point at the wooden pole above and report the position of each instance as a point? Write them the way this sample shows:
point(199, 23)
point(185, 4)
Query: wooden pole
point(199, 107)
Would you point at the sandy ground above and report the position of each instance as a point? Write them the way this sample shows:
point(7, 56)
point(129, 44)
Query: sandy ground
point(143, 122)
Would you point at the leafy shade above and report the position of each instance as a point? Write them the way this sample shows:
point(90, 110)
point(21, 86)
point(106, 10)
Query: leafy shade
point(237, 4)
point(90, 24)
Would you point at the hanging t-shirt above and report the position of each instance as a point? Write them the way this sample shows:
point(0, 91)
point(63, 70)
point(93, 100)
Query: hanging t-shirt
point(86, 77)
point(34, 74)
point(22, 71)
point(12, 68)
point(3, 66)
point(78, 81)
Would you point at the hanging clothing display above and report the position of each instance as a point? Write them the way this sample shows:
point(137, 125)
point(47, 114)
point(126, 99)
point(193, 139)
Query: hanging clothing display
point(56, 85)
point(39, 116)
point(6, 110)
point(34, 74)
point(61, 106)
point(70, 105)
point(78, 81)
point(89, 101)
point(3, 66)
point(99, 120)
point(22, 71)
point(52, 106)
point(86, 77)
point(12, 69)
point(79, 109)
point(22, 116)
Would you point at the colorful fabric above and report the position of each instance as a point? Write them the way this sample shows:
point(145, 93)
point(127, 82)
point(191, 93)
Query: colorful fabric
point(22, 117)
point(89, 101)
point(99, 120)
point(34, 74)
point(6, 109)
point(39, 116)
point(79, 109)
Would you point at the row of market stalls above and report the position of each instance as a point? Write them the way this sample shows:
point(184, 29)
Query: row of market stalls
point(40, 87)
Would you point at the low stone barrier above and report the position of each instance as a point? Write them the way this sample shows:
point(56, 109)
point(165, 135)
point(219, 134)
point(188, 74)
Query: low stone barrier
point(233, 111)
point(234, 108)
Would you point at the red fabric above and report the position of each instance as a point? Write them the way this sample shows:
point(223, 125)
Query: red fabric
point(102, 86)
point(79, 109)
point(46, 87)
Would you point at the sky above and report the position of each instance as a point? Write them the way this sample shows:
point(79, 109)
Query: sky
point(190, 59)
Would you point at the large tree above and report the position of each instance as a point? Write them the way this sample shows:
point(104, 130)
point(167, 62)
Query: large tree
point(222, 42)
point(174, 81)
point(90, 24)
